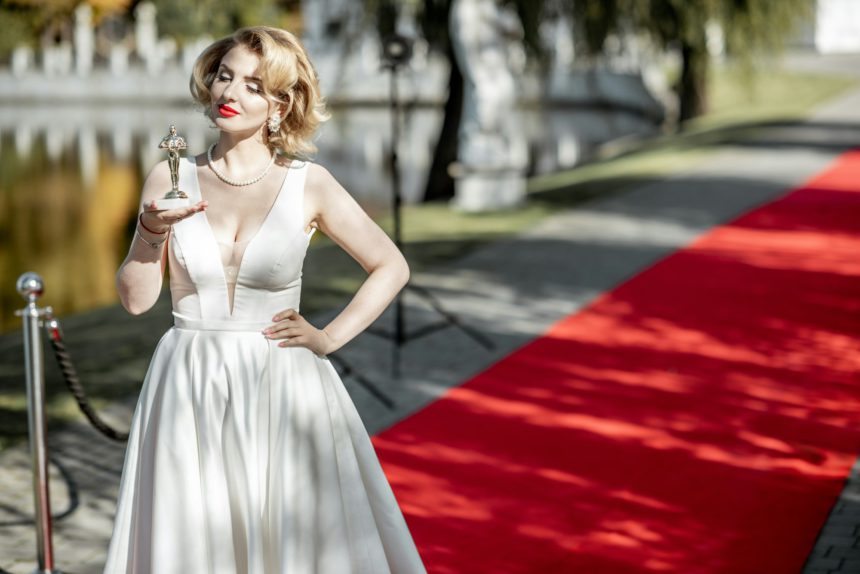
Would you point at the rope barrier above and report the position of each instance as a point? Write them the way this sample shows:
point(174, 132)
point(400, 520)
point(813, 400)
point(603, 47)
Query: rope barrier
point(73, 382)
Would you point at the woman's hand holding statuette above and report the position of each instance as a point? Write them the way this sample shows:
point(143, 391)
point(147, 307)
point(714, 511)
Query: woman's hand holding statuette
point(160, 220)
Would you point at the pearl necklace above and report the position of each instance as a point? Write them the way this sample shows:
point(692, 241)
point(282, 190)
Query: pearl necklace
point(230, 181)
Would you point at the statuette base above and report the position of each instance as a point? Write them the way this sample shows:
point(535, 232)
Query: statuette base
point(162, 204)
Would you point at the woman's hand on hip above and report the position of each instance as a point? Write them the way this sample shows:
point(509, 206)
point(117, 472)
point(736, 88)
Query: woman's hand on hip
point(297, 332)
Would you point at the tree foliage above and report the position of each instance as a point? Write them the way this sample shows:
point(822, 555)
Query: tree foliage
point(185, 19)
point(24, 22)
point(19, 26)
point(750, 27)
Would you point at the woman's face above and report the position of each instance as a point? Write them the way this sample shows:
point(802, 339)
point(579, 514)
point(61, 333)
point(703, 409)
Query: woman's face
point(238, 102)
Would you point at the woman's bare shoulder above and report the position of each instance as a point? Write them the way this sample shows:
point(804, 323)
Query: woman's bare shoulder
point(318, 176)
point(321, 183)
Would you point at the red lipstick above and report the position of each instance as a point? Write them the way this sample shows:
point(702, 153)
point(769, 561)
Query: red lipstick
point(227, 111)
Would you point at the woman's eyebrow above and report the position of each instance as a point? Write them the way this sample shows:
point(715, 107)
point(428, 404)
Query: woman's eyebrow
point(255, 78)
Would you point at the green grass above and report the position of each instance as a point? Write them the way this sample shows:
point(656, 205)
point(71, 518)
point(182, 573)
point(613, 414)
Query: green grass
point(768, 94)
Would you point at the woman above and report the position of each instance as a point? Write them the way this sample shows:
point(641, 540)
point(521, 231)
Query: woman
point(246, 453)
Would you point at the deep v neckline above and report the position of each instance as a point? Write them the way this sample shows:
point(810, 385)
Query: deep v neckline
point(231, 304)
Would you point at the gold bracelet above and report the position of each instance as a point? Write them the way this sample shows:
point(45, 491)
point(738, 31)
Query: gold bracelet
point(153, 244)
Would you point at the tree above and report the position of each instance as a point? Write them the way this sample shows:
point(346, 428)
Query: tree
point(750, 28)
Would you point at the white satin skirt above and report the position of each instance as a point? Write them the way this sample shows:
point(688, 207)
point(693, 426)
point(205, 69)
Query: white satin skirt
point(245, 457)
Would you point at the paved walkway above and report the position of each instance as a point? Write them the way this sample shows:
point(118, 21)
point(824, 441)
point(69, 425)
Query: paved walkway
point(510, 291)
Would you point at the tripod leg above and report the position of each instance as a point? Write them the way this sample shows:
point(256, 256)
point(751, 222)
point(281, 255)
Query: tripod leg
point(479, 337)
point(399, 335)
point(395, 361)
point(347, 370)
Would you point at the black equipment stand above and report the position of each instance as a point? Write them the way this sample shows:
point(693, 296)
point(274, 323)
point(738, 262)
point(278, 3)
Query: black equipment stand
point(396, 52)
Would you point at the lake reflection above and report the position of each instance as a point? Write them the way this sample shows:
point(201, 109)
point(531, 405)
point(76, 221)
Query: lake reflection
point(70, 178)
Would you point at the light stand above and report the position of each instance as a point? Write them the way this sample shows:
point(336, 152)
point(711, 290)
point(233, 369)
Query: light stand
point(396, 52)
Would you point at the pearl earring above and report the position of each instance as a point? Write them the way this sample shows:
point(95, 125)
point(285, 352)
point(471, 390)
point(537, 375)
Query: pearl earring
point(274, 122)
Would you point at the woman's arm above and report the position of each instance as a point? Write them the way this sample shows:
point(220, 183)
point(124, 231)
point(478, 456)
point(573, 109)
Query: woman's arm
point(340, 217)
point(139, 278)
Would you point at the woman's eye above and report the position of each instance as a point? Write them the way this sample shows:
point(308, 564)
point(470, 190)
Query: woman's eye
point(254, 90)
point(224, 78)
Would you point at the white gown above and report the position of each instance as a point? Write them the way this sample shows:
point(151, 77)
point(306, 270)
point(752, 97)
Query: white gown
point(246, 457)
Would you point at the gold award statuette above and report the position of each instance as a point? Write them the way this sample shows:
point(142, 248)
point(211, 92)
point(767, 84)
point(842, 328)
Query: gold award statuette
point(175, 197)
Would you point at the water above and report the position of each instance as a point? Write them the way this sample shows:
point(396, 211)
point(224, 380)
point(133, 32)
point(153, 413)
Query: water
point(70, 178)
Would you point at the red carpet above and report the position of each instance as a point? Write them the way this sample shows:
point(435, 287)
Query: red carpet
point(699, 418)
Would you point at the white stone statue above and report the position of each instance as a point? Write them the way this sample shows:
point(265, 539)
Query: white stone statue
point(490, 159)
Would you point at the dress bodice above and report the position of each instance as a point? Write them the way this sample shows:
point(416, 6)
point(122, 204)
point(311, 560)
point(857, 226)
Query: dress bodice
point(261, 275)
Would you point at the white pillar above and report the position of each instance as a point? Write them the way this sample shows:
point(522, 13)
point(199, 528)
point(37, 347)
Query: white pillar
point(23, 141)
point(121, 140)
point(146, 35)
point(88, 156)
point(22, 60)
point(118, 60)
point(64, 58)
point(84, 40)
point(54, 144)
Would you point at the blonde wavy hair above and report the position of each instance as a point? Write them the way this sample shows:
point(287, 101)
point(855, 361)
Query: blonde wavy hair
point(288, 79)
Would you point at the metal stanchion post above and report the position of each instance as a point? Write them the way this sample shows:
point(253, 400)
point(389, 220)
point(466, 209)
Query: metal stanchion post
point(31, 286)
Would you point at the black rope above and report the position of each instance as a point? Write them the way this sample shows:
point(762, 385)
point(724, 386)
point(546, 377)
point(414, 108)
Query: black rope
point(70, 375)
